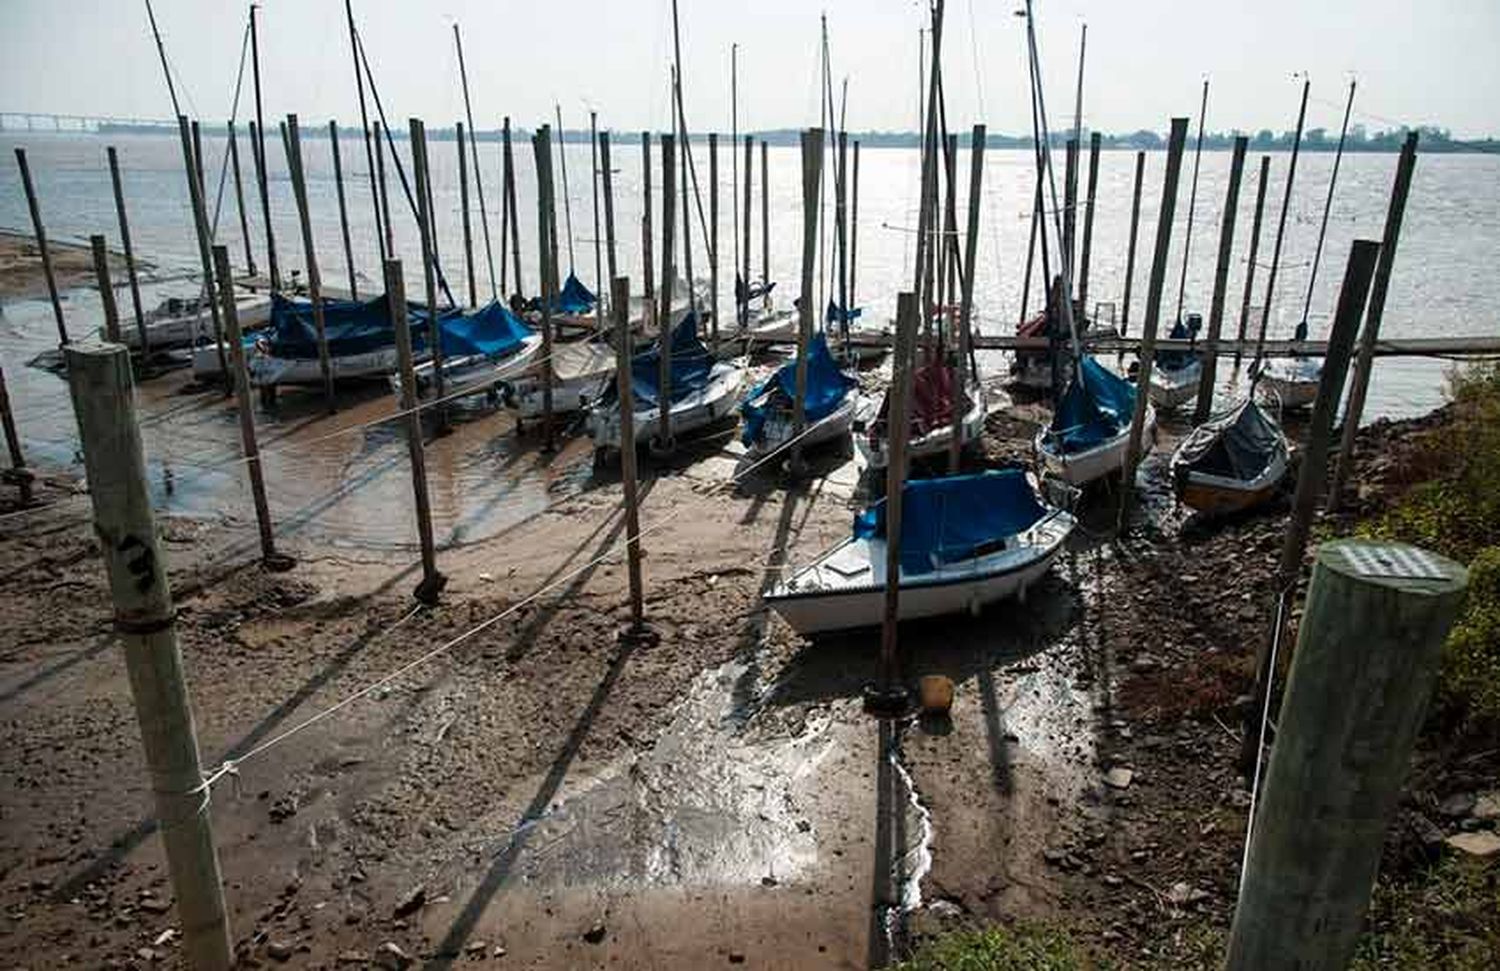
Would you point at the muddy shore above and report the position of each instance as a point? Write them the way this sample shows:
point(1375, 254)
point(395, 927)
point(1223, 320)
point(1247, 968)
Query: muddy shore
point(22, 277)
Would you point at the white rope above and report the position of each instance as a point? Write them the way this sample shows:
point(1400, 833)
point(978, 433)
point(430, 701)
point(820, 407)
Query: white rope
point(1265, 718)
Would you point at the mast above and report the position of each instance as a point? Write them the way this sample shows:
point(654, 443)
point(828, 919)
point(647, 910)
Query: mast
point(265, 163)
point(1071, 216)
point(1333, 179)
point(598, 244)
point(484, 217)
point(734, 158)
point(364, 123)
point(1286, 201)
point(567, 204)
point(161, 51)
point(1187, 243)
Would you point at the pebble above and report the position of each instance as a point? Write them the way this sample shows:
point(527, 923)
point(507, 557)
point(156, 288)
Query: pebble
point(354, 957)
point(1487, 806)
point(1479, 844)
point(594, 934)
point(1118, 778)
point(412, 902)
point(279, 950)
point(390, 956)
point(1458, 805)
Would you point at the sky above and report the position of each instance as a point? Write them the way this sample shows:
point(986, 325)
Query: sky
point(1146, 60)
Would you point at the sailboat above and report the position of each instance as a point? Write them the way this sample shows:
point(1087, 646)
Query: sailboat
point(702, 390)
point(480, 349)
point(966, 541)
point(183, 321)
point(581, 372)
point(1174, 379)
point(1090, 429)
point(1292, 382)
point(769, 409)
point(361, 341)
point(1234, 461)
point(933, 402)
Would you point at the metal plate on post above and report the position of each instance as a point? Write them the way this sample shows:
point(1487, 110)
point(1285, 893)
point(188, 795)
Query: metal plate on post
point(1394, 560)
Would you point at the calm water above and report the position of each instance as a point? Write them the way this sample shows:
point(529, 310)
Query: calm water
point(1442, 283)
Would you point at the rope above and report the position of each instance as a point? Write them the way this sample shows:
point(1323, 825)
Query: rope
point(1265, 717)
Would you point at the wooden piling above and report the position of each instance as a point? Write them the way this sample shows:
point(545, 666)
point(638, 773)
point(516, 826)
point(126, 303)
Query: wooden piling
point(841, 228)
point(602, 297)
point(765, 223)
point(99, 378)
point(687, 222)
point(198, 160)
point(463, 208)
point(541, 144)
point(1070, 210)
point(1368, 651)
point(382, 193)
point(1036, 220)
point(1286, 202)
point(41, 242)
point(888, 692)
point(966, 300)
point(812, 174)
point(239, 201)
point(100, 251)
point(1135, 224)
point(338, 181)
point(743, 310)
point(1260, 205)
point(18, 473)
point(200, 223)
point(418, 135)
point(713, 232)
point(620, 306)
point(515, 214)
point(648, 261)
point(609, 206)
point(309, 251)
point(854, 229)
point(1310, 478)
point(1405, 165)
point(665, 441)
point(395, 290)
point(1088, 224)
point(262, 162)
point(1209, 374)
point(240, 379)
point(135, 286)
point(1175, 143)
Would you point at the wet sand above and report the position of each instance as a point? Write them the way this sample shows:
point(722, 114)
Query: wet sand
point(21, 274)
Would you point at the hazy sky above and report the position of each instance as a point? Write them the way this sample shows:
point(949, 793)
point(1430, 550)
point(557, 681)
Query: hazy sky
point(1417, 62)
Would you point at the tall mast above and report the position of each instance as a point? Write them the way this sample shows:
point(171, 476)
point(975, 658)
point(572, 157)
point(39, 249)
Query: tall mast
point(1072, 192)
point(1041, 109)
point(1333, 179)
point(734, 157)
point(484, 218)
point(161, 51)
point(567, 206)
point(1187, 243)
point(364, 123)
point(1286, 201)
point(265, 162)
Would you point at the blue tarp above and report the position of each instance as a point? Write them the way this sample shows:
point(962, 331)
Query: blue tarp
point(1097, 406)
point(950, 518)
point(827, 386)
point(834, 313)
point(575, 298)
point(353, 327)
point(691, 364)
point(490, 331)
point(1181, 331)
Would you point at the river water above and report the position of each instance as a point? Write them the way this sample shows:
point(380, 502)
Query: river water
point(484, 477)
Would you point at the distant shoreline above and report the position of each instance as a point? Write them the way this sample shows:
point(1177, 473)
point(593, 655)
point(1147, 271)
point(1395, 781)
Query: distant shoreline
point(1434, 140)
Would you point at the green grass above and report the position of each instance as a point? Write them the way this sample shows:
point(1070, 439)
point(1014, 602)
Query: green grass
point(1445, 917)
point(1021, 946)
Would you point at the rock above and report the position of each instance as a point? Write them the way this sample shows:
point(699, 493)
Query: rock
point(1487, 806)
point(1118, 778)
point(412, 902)
point(594, 934)
point(353, 957)
point(147, 954)
point(1475, 844)
point(1180, 893)
point(1458, 805)
point(768, 881)
point(945, 910)
point(155, 905)
point(735, 957)
point(389, 955)
point(278, 950)
point(936, 692)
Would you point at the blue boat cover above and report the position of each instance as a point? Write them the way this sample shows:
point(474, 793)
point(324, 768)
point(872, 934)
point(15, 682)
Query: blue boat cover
point(952, 518)
point(1181, 331)
point(691, 364)
point(827, 386)
point(353, 327)
point(575, 298)
point(1097, 406)
point(834, 313)
point(490, 331)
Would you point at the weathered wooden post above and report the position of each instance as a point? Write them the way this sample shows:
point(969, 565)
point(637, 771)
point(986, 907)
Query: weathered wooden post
point(338, 181)
point(382, 191)
point(99, 378)
point(100, 251)
point(1088, 223)
point(854, 230)
point(687, 223)
point(1209, 376)
point(812, 174)
point(135, 286)
point(1356, 405)
point(463, 208)
point(1286, 202)
point(428, 231)
point(602, 297)
point(1260, 205)
point(395, 290)
point(314, 278)
point(648, 260)
point(1135, 224)
point(1175, 143)
point(240, 379)
point(19, 473)
point(765, 222)
point(966, 299)
point(515, 214)
point(1310, 479)
point(609, 208)
point(841, 230)
point(887, 695)
point(205, 237)
point(742, 313)
point(1070, 209)
point(620, 307)
point(1368, 652)
point(1036, 219)
point(41, 242)
point(239, 199)
point(198, 160)
point(713, 232)
point(541, 144)
point(665, 442)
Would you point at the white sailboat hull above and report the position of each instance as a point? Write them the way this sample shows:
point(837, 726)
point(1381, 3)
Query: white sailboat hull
point(833, 426)
point(716, 399)
point(845, 588)
point(1171, 388)
point(268, 371)
point(1081, 468)
point(936, 441)
point(165, 330)
point(1293, 383)
point(473, 373)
